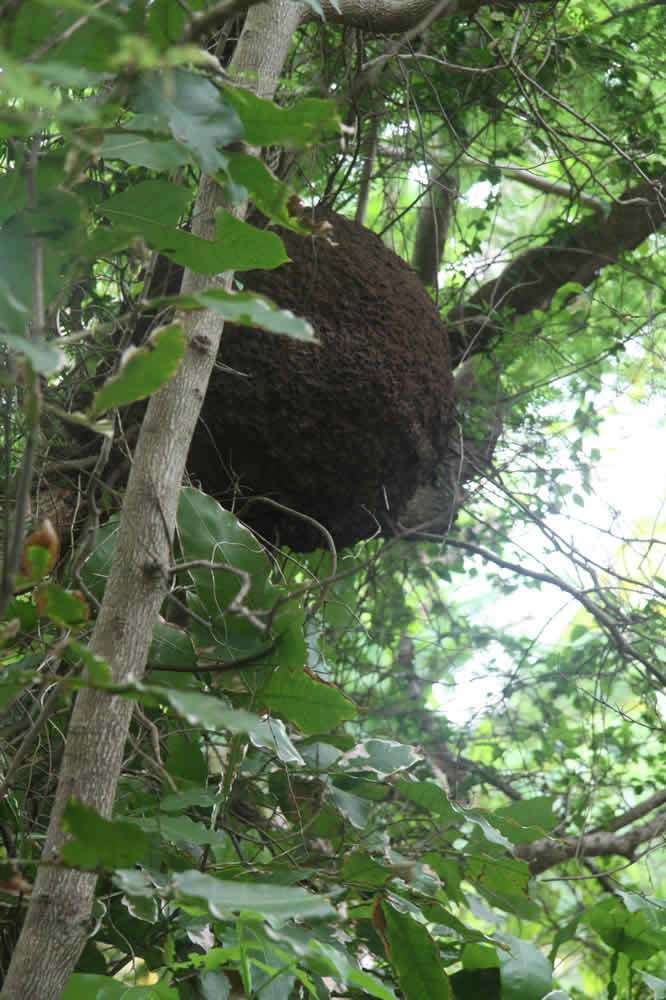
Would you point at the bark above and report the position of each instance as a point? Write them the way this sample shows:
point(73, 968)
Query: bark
point(59, 916)
point(549, 187)
point(369, 154)
point(432, 228)
point(388, 16)
point(544, 854)
point(531, 280)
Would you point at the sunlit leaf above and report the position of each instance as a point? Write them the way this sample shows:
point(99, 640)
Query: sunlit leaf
point(142, 370)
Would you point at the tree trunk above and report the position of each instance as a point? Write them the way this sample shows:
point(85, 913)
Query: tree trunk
point(59, 916)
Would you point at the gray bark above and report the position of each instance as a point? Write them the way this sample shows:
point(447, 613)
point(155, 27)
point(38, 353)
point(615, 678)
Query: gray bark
point(432, 228)
point(58, 919)
point(544, 854)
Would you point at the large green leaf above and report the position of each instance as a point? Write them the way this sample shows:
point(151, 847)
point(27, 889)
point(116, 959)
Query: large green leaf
point(46, 358)
point(503, 881)
point(95, 842)
point(311, 703)
point(268, 193)
point(142, 370)
point(197, 116)
point(95, 570)
point(266, 124)
point(525, 972)
point(87, 986)
point(380, 756)
point(527, 819)
point(184, 830)
point(414, 956)
point(429, 796)
point(355, 809)
point(152, 209)
point(171, 646)
point(224, 898)
point(212, 713)
point(632, 924)
point(141, 150)
point(58, 225)
point(248, 309)
point(233, 588)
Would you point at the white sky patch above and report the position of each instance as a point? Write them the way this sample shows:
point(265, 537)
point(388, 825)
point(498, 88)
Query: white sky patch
point(628, 486)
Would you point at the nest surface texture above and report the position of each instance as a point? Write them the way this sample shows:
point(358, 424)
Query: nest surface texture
point(346, 430)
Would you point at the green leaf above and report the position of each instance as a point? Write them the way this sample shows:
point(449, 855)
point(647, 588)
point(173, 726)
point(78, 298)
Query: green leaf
point(268, 193)
point(186, 759)
point(485, 824)
point(142, 371)
point(632, 925)
point(141, 151)
point(182, 829)
point(95, 842)
point(59, 226)
point(145, 204)
point(273, 903)
point(429, 796)
point(247, 309)
point(301, 697)
point(266, 124)
point(470, 984)
point(45, 358)
point(503, 881)
point(534, 816)
point(197, 116)
point(362, 870)
point(353, 808)
point(340, 966)
point(87, 986)
point(95, 570)
point(234, 591)
point(525, 972)
point(171, 646)
point(477, 955)
point(67, 608)
point(414, 956)
point(212, 713)
point(564, 933)
point(380, 756)
point(152, 209)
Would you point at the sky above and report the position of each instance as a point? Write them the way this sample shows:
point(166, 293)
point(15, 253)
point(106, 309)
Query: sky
point(630, 478)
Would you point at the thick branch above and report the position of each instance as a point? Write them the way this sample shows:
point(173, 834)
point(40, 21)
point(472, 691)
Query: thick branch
point(544, 854)
point(548, 186)
point(636, 812)
point(389, 16)
point(577, 253)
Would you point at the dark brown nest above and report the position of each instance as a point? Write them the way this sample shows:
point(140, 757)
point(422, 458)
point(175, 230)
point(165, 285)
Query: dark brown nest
point(344, 431)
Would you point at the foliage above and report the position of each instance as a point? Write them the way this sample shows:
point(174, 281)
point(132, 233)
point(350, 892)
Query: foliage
point(311, 804)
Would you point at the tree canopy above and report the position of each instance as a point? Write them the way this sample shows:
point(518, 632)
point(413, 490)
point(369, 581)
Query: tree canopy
point(365, 697)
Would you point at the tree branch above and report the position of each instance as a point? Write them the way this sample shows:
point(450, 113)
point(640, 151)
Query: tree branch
point(389, 16)
point(532, 279)
point(636, 812)
point(544, 854)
